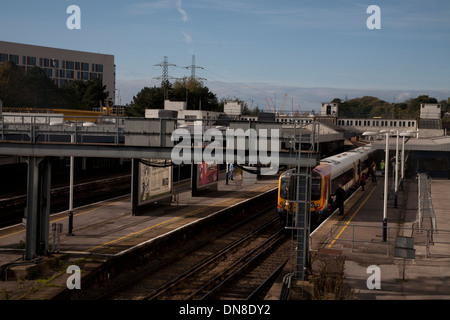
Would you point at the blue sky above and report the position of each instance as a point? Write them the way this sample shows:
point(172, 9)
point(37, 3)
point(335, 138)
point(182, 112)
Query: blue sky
point(255, 49)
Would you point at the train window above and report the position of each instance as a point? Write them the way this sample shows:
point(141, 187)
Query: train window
point(284, 188)
point(316, 186)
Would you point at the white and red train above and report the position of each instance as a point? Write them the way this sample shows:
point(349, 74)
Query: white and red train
point(345, 168)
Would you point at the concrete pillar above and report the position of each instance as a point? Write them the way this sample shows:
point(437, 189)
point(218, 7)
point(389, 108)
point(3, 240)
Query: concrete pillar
point(37, 211)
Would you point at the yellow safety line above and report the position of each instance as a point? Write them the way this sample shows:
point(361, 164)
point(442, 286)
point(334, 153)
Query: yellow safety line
point(137, 232)
point(156, 225)
point(164, 222)
point(356, 211)
point(75, 215)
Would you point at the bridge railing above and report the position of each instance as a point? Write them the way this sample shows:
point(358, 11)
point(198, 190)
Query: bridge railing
point(60, 128)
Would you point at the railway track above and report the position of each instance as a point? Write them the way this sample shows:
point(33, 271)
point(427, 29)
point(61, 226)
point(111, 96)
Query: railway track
point(246, 254)
point(12, 207)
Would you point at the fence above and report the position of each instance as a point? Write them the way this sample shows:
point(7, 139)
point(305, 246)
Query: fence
point(427, 237)
point(426, 210)
point(39, 127)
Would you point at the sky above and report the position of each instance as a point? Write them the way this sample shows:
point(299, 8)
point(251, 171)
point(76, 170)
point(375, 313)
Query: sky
point(307, 51)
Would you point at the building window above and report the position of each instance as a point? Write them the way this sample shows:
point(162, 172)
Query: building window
point(31, 61)
point(48, 72)
point(14, 58)
point(3, 57)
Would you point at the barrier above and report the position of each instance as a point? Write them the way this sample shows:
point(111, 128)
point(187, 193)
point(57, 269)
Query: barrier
point(427, 236)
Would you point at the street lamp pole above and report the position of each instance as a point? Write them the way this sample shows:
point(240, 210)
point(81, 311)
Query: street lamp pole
point(386, 182)
point(72, 164)
point(386, 172)
point(396, 171)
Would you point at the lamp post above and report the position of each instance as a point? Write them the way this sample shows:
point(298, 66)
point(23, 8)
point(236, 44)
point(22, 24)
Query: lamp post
point(396, 170)
point(72, 164)
point(386, 172)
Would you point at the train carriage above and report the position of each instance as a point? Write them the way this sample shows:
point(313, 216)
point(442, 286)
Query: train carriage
point(344, 168)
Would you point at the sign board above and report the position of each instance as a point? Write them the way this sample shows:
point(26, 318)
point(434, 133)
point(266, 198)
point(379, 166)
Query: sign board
point(207, 174)
point(404, 248)
point(155, 182)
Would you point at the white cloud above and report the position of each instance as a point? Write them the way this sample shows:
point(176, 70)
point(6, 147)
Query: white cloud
point(187, 37)
point(308, 98)
point(184, 16)
point(149, 7)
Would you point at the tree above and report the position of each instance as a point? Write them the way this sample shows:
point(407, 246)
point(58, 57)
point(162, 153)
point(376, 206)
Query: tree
point(35, 89)
point(197, 96)
point(95, 94)
point(11, 84)
point(38, 89)
point(147, 98)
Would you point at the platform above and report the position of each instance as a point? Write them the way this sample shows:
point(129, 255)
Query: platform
point(358, 237)
point(108, 228)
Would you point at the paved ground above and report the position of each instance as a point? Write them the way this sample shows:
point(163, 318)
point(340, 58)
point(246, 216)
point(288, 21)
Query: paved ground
point(370, 259)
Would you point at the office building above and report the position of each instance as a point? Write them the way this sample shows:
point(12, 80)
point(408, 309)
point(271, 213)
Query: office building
point(62, 65)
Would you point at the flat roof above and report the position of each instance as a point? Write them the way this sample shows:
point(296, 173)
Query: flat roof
point(421, 144)
point(24, 45)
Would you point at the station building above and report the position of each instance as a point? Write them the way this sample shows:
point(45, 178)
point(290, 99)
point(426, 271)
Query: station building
point(61, 65)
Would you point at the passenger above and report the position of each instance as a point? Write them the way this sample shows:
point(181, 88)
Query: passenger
point(374, 173)
point(382, 166)
point(340, 198)
point(362, 181)
point(231, 171)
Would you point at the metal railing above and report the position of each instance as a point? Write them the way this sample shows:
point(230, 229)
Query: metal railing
point(423, 236)
point(426, 209)
point(39, 128)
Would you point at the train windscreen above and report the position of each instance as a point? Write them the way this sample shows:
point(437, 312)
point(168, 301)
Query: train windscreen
point(316, 186)
point(284, 188)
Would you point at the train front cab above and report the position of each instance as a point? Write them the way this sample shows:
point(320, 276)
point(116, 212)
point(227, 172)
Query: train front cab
point(320, 191)
point(284, 206)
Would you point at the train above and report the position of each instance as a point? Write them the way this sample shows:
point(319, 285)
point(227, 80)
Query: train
point(345, 169)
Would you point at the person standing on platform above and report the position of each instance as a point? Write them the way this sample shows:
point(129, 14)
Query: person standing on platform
point(374, 173)
point(340, 198)
point(362, 181)
point(231, 168)
point(382, 167)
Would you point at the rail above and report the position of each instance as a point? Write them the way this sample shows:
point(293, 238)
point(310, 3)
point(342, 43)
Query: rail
point(41, 128)
point(426, 209)
point(423, 236)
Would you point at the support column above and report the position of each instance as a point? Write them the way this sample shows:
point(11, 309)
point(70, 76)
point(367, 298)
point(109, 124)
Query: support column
point(37, 212)
point(134, 186)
